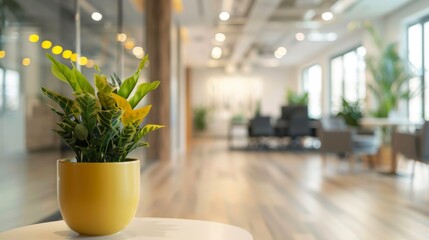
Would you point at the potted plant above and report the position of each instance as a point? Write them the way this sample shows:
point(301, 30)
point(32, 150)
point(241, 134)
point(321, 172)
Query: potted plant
point(294, 98)
point(390, 74)
point(351, 112)
point(98, 191)
point(200, 118)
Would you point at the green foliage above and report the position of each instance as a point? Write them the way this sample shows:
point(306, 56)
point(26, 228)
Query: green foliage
point(102, 126)
point(294, 98)
point(200, 118)
point(351, 112)
point(390, 75)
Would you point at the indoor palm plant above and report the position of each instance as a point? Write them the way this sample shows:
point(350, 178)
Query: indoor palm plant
point(390, 74)
point(99, 190)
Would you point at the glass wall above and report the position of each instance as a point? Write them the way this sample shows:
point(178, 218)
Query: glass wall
point(347, 78)
point(106, 33)
point(312, 83)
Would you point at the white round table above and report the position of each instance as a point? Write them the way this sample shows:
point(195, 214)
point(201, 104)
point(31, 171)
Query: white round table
point(139, 228)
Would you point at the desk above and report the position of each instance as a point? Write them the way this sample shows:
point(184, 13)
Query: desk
point(139, 228)
point(391, 124)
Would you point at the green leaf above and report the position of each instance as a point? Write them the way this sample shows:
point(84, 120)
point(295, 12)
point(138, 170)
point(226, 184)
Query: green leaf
point(89, 107)
point(56, 111)
point(142, 90)
point(65, 103)
point(127, 135)
point(64, 73)
point(147, 129)
point(110, 119)
point(80, 132)
point(102, 84)
point(83, 82)
point(129, 84)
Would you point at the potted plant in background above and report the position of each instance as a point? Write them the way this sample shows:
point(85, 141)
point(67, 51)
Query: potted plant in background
point(390, 74)
point(200, 118)
point(294, 98)
point(99, 190)
point(351, 112)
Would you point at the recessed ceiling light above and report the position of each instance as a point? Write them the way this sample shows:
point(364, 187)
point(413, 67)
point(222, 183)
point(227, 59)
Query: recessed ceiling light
point(327, 16)
point(280, 52)
point(96, 16)
point(216, 52)
point(220, 37)
point(300, 36)
point(224, 16)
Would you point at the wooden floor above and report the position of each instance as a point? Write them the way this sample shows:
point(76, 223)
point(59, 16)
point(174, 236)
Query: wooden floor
point(273, 195)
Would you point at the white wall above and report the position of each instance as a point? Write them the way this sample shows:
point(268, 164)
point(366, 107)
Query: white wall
point(229, 94)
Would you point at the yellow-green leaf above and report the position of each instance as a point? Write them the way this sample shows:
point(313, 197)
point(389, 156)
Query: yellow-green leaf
point(106, 100)
point(102, 84)
point(121, 102)
point(135, 116)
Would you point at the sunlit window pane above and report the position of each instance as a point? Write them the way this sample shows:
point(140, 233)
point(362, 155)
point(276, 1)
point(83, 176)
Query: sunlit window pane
point(336, 83)
point(348, 78)
point(12, 90)
point(1, 88)
point(426, 68)
point(312, 76)
point(415, 58)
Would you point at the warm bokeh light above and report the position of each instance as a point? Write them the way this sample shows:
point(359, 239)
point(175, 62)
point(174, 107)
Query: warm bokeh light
point(57, 50)
point(74, 57)
point(33, 38)
point(216, 52)
point(220, 37)
point(129, 44)
point(2, 54)
point(90, 63)
point(224, 16)
point(67, 54)
point(327, 16)
point(83, 60)
point(121, 37)
point(300, 36)
point(46, 44)
point(138, 51)
point(26, 61)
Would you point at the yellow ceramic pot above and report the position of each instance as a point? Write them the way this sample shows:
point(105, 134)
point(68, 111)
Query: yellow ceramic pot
point(98, 198)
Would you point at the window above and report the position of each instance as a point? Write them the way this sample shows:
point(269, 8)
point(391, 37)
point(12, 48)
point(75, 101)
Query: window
point(11, 90)
point(312, 83)
point(347, 78)
point(1, 88)
point(418, 57)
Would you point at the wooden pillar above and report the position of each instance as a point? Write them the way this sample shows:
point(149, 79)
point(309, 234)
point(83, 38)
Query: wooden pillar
point(158, 26)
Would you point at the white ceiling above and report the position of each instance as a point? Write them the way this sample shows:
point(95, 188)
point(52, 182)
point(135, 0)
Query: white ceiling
point(257, 27)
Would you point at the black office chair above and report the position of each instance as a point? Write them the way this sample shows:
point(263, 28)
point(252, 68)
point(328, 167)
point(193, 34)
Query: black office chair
point(259, 129)
point(299, 126)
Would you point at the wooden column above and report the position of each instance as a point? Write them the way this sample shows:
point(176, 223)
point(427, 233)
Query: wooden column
point(158, 25)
